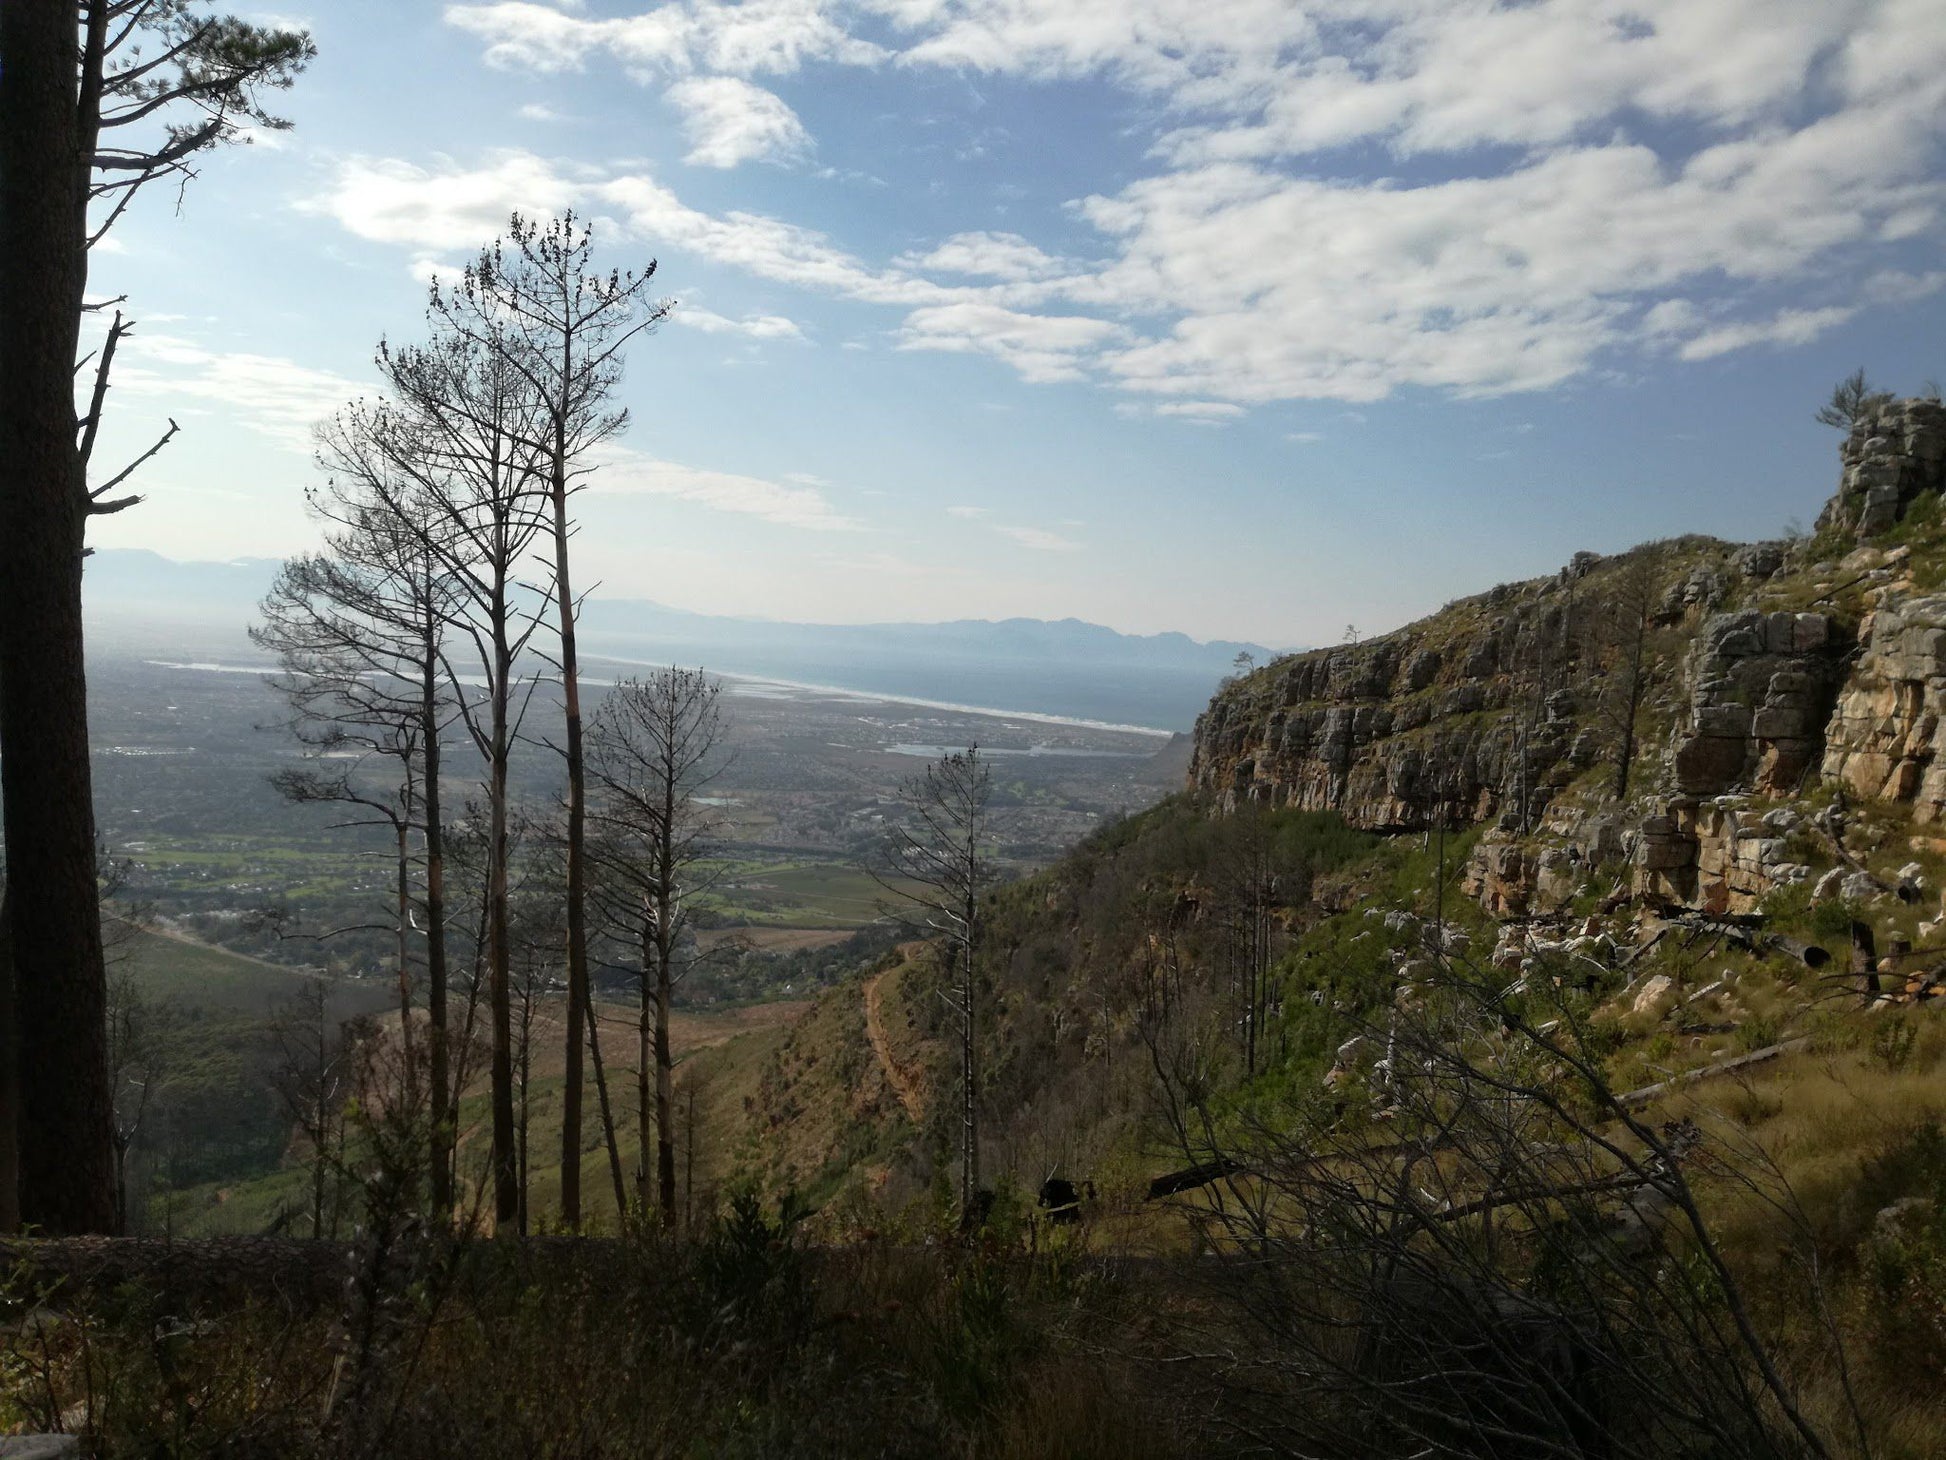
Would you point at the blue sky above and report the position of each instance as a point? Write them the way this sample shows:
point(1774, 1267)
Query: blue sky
point(1249, 318)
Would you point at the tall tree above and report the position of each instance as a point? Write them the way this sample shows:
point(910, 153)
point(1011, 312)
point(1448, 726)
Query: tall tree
point(359, 632)
point(65, 1178)
point(72, 73)
point(451, 454)
point(939, 864)
point(536, 298)
point(656, 746)
point(1255, 882)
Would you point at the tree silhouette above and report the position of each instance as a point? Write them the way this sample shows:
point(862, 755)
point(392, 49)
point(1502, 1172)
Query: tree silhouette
point(101, 97)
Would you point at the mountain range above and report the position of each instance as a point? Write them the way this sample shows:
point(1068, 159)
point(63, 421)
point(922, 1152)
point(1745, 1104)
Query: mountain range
point(1067, 667)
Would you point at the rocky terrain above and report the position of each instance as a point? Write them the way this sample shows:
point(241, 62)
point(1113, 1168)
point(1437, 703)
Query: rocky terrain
point(1729, 679)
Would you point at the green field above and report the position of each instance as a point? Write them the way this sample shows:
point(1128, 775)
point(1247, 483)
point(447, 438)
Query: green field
point(802, 893)
point(217, 982)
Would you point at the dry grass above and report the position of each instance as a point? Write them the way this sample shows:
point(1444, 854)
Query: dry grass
point(1846, 1129)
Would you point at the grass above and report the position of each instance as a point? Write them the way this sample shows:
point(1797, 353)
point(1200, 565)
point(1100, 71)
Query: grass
point(798, 894)
point(1841, 1139)
point(195, 975)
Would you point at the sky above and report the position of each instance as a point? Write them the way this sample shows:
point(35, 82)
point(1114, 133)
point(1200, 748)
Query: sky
point(1253, 319)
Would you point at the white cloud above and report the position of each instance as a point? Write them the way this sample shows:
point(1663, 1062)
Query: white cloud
point(535, 111)
point(444, 206)
point(755, 326)
point(1289, 287)
point(1787, 327)
point(1042, 348)
point(273, 396)
point(628, 472)
point(968, 513)
point(1039, 539)
point(1200, 410)
point(1004, 256)
point(754, 37)
point(1576, 180)
point(728, 121)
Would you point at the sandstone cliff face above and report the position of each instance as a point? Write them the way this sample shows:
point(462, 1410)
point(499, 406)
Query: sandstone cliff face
point(1486, 709)
point(1761, 688)
point(1491, 709)
point(1432, 723)
point(1884, 741)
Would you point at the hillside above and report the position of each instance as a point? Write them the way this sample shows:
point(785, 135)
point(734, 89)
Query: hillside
point(1763, 901)
point(1761, 674)
point(1605, 907)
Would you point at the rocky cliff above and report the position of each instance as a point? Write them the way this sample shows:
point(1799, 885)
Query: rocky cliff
point(1489, 707)
point(1701, 680)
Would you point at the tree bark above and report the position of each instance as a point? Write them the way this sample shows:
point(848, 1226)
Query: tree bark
point(577, 890)
point(647, 1118)
point(9, 1076)
point(509, 1183)
point(403, 912)
point(969, 1180)
point(608, 1123)
point(526, 1104)
point(64, 1122)
point(665, 952)
point(665, 1102)
point(440, 1142)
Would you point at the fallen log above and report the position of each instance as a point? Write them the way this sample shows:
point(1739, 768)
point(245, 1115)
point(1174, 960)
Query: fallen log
point(1688, 1077)
point(1174, 1183)
point(1808, 954)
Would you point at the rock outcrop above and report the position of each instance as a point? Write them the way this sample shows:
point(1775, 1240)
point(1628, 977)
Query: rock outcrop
point(1884, 740)
point(1761, 688)
point(1404, 732)
point(1492, 708)
point(1890, 456)
point(1487, 708)
point(1719, 855)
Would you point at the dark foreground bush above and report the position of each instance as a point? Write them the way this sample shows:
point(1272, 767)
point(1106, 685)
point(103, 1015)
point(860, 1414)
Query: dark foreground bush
point(743, 1343)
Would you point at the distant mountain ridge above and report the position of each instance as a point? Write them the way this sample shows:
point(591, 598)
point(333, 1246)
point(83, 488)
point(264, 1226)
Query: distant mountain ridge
point(1061, 667)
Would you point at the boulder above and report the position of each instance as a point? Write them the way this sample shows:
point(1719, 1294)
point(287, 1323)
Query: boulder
point(1651, 994)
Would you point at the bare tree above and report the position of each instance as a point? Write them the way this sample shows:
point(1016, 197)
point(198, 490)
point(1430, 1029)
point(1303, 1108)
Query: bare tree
point(348, 722)
point(74, 74)
point(1852, 399)
point(1474, 1247)
point(360, 633)
point(1628, 661)
point(539, 966)
point(656, 746)
point(1253, 885)
point(691, 1090)
point(536, 299)
point(450, 456)
point(315, 1072)
point(137, 1056)
point(938, 863)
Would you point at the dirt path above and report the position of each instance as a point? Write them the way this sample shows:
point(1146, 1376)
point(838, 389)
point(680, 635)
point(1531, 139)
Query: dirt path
point(903, 1085)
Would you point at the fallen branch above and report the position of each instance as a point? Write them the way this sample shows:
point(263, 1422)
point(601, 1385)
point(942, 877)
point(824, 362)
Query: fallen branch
point(1742, 1061)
